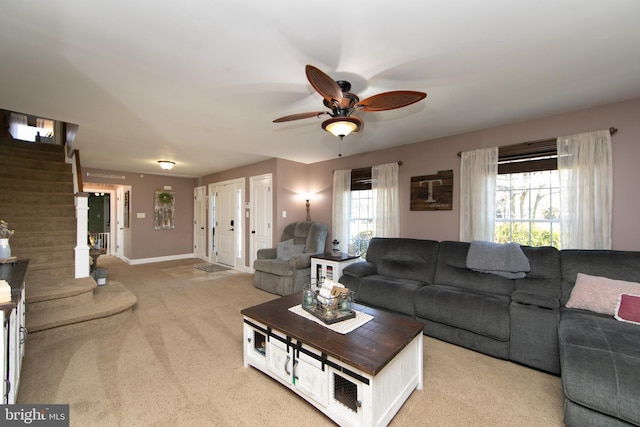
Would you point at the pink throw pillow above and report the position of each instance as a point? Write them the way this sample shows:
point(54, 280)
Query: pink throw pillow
point(599, 294)
point(628, 309)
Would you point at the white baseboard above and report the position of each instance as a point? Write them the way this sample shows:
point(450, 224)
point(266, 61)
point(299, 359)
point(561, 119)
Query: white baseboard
point(157, 259)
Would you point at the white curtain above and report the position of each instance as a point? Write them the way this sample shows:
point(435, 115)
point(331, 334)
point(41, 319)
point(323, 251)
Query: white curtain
point(586, 190)
point(478, 176)
point(341, 208)
point(384, 183)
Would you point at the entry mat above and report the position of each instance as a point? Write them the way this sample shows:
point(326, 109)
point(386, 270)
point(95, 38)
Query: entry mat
point(343, 327)
point(211, 268)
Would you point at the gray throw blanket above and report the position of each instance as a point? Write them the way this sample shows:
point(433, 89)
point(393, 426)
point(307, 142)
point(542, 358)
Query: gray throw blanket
point(506, 260)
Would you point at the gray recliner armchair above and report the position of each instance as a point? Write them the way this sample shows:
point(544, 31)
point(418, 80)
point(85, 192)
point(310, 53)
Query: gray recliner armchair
point(285, 269)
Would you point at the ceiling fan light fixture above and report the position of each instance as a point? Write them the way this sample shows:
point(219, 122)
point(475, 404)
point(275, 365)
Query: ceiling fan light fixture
point(342, 126)
point(166, 164)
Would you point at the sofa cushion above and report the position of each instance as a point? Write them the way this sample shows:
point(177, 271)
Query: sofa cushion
point(599, 294)
point(482, 313)
point(544, 277)
point(402, 258)
point(599, 360)
point(619, 265)
point(359, 269)
point(452, 271)
point(628, 309)
point(389, 293)
point(285, 250)
point(274, 266)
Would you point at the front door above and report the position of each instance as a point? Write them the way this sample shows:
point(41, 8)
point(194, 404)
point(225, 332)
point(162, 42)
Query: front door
point(200, 222)
point(226, 225)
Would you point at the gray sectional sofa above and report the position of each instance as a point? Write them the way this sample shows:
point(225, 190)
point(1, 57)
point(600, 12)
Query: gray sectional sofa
point(523, 320)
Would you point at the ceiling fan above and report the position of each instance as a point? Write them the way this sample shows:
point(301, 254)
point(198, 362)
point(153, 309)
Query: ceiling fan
point(343, 103)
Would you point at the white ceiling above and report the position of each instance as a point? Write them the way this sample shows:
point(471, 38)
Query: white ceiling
point(200, 81)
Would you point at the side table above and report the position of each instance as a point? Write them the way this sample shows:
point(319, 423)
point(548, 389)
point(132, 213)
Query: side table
point(330, 267)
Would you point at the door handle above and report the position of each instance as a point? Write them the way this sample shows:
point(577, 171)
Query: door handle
point(286, 365)
point(253, 231)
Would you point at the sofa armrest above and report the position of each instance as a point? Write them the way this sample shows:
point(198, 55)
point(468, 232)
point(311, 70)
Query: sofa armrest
point(530, 298)
point(360, 269)
point(299, 261)
point(267, 253)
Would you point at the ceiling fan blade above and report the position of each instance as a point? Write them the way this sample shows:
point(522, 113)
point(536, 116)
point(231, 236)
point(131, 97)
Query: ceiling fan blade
point(390, 100)
point(299, 116)
point(323, 84)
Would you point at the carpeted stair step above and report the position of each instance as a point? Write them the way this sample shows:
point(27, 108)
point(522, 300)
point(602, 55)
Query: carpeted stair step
point(17, 171)
point(54, 270)
point(35, 164)
point(48, 239)
point(35, 186)
point(32, 150)
point(46, 224)
point(108, 301)
point(19, 211)
point(45, 255)
point(53, 198)
point(45, 294)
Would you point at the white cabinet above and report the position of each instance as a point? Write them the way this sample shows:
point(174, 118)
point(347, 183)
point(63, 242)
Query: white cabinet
point(12, 351)
point(13, 333)
point(287, 360)
point(4, 356)
point(329, 267)
point(344, 393)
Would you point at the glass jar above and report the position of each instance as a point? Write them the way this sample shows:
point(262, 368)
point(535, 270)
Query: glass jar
point(308, 297)
point(346, 302)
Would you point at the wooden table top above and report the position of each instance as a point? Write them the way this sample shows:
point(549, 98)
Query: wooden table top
point(368, 348)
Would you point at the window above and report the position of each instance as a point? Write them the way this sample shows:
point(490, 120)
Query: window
point(528, 195)
point(361, 224)
point(361, 221)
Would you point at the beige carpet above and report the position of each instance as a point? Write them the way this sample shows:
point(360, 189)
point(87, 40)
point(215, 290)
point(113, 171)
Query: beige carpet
point(177, 361)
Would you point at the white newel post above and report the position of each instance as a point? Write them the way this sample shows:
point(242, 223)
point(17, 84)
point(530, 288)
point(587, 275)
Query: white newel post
point(82, 247)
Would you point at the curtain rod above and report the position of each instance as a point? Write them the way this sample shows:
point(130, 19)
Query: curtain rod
point(612, 131)
point(399, 164)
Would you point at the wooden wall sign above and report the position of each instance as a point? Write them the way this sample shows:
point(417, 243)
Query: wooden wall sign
point(432, 192)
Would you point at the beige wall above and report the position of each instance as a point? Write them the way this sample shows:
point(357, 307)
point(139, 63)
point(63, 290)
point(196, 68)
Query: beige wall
point(141, 239)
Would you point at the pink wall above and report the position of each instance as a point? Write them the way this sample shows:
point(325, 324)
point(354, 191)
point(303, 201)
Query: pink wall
point(141, 239)
point(429, 157)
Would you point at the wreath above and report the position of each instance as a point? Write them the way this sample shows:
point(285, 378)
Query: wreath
point(165, 198)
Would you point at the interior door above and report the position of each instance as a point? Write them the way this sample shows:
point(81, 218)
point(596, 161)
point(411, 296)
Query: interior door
point(261, 214)
point(226, 224)
point(200, 222)
point(120, 213)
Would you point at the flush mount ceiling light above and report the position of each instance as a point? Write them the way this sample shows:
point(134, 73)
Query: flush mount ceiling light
point(166, 164)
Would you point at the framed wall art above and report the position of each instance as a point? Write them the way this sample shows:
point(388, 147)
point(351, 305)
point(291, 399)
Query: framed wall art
point(126, 209)
point(164, 215)
point(432, 192)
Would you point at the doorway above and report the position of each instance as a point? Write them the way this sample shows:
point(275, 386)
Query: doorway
point(261, 214)
point(200, 222)
point(227, 226)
